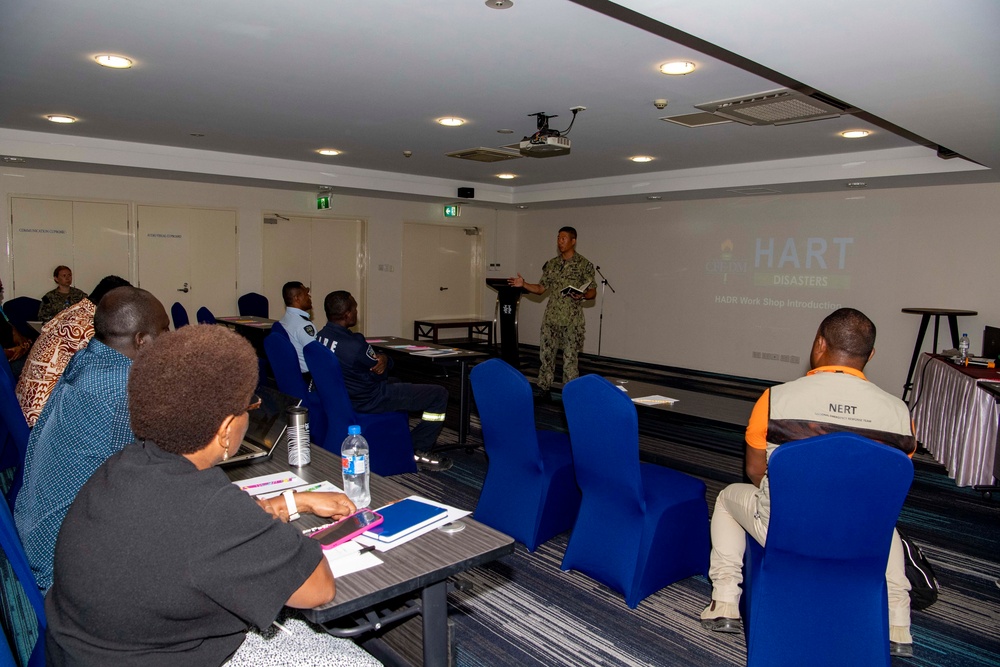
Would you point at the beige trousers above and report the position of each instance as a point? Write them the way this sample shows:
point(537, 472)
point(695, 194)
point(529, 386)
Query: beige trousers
point(736, 515)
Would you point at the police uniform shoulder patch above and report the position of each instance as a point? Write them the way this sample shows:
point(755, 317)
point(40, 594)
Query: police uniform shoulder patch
point(371, 354)
point(311, 330)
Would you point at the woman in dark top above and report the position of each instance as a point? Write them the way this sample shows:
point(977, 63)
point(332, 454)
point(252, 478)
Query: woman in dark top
point(161, 560)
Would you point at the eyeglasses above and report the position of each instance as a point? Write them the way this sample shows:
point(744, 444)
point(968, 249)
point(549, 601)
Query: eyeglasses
point(255, 402)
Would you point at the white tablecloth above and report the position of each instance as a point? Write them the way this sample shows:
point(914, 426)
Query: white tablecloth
point(955, 420)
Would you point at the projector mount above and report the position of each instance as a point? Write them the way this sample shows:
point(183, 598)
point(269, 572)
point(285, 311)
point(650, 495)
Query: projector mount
point(544, 130)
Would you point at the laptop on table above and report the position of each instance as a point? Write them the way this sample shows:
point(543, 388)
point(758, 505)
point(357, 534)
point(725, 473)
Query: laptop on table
point(266, 429)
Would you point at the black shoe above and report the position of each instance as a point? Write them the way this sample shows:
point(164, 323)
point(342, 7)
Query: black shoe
point(432, 462)
point(898, 650)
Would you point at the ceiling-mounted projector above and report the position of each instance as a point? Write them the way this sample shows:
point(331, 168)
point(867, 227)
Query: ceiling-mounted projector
point(546, 142)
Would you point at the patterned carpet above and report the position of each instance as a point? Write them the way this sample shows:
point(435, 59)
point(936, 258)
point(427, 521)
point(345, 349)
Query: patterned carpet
point(522, 610)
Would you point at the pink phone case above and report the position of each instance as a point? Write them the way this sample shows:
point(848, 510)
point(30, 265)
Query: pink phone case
point(348, 534)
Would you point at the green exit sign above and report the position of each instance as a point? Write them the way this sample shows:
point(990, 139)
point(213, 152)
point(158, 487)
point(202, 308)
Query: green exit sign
point(452, 211)
point(323, 201)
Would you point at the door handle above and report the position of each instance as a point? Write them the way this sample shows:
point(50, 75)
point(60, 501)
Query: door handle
point(184, 289)
point(441, 289)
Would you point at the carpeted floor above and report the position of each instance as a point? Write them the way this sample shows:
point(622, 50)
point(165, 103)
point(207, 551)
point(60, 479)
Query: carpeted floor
point(522, 610)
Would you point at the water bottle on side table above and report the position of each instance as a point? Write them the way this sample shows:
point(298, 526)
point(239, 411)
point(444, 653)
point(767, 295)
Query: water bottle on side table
point(963, 346)
point(354, 462)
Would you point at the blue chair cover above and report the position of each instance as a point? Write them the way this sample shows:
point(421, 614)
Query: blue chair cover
point(538, 463)
point(387, 433)
point(254, 304)
point(23, 610)
point(641, 526)
point(13, 435)
point(21, 310)
point(820, 579)
point(179, 315)
point(285, 365)
point(205, 316)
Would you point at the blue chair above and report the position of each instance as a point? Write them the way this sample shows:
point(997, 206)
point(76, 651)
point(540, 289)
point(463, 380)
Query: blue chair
point(21, 310)
point(834, 502)
point(179, 315)
point(205, 316)
point(13, 436)
point(641, 526)
point(387, 433)
point(285, 365)
point(535, 462)
point(23, 612)
point(253, 304)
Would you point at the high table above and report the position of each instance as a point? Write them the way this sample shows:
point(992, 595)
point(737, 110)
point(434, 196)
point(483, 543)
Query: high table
point(955, 419)
point(420, 568)
point(925, 317)
point(475, 328)
point(392, 346)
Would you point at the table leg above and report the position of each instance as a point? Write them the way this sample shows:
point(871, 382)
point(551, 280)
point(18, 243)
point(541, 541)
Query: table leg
point(463, 403)
point(924, 320)
point(435, 619)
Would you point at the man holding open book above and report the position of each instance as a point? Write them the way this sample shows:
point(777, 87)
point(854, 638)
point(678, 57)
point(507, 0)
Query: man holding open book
point(570, 278)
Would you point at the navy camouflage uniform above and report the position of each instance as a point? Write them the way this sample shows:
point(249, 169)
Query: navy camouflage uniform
point(563, 325)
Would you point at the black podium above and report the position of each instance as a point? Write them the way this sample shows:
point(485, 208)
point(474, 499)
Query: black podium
point(506, 313)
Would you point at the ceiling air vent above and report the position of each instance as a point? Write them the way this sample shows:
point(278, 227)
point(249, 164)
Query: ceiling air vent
point(481, 154)
point(774, 107)
point(696, 119)
point(754, 191)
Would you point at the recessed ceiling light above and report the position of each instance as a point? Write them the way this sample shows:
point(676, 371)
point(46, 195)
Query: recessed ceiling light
point(114, 62)
point(499, 4)
point(451, 121)
point(654, 197)
point(328, 151)
point(855, 134)
point(857, 184)
point(678, 67)
point(522, 206)
point(641, 158)
point(506, 177)
point(59, 118)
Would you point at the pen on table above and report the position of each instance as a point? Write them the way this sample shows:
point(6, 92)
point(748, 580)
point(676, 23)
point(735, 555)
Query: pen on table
point(271, 483)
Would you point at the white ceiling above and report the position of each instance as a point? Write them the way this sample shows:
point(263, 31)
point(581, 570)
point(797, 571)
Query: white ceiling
point(268, 83)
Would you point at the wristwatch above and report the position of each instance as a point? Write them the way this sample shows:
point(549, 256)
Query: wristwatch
point(293, 509)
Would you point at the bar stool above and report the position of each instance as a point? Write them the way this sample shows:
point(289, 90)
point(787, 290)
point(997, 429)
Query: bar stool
point(925, 314)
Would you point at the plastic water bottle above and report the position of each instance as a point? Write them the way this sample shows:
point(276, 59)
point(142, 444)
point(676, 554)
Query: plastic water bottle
point(963, 346)
point(354, 462)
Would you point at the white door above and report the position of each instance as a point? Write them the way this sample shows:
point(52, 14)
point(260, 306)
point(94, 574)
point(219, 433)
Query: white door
point(92, 238)
point(188, 255)
point(326, 254)
point(442, 268)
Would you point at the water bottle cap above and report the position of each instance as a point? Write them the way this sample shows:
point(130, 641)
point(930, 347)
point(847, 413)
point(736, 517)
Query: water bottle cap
point(354, 430)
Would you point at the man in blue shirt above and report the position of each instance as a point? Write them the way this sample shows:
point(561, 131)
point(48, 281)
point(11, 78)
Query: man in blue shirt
point(297, 320)
point(85, 420)
point(369, 386)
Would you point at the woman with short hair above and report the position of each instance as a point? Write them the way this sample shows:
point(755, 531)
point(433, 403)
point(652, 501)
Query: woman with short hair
point(161, 559)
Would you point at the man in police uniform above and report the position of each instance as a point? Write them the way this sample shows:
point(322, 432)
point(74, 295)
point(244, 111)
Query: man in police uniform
point(369, 386)
point(794, 411)
point(563, 324)
point(297, 320)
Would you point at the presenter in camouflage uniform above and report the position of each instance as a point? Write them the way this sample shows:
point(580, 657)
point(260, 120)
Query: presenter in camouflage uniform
point(563, 324)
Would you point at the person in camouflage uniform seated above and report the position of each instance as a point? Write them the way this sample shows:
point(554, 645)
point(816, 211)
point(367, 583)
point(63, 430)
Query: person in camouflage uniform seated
point(563, 325)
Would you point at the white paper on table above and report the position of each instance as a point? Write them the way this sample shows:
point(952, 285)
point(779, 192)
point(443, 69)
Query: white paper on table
point(655, 399)
point(270, 484)
point(345, 559)
point(454, 514)
point(324, 487)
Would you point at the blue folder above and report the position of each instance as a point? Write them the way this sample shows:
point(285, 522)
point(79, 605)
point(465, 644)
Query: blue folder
point(404, 517)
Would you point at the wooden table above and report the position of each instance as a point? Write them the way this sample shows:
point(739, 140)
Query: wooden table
point(475, 329)
point(693, 404)
point(254, 329)
point(419, 568)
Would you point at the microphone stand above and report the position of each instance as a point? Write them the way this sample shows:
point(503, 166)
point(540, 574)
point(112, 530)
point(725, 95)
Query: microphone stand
point(600, 319)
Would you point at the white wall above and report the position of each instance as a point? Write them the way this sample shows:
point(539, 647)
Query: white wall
point(914, 247)
point(385, 218)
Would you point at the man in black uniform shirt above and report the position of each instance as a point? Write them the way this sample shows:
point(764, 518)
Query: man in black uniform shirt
point(369, 386)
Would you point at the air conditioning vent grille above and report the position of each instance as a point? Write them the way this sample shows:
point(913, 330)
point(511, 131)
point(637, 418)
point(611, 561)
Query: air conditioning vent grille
point(482, 154)
point(773, 107)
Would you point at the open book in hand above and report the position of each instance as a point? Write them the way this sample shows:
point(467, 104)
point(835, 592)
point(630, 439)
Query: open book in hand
point(569, 290)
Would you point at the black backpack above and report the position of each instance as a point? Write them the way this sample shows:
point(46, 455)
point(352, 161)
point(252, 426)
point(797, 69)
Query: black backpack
point(923, 583)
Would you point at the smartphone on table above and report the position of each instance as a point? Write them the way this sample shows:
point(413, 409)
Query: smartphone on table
point(347, 528)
